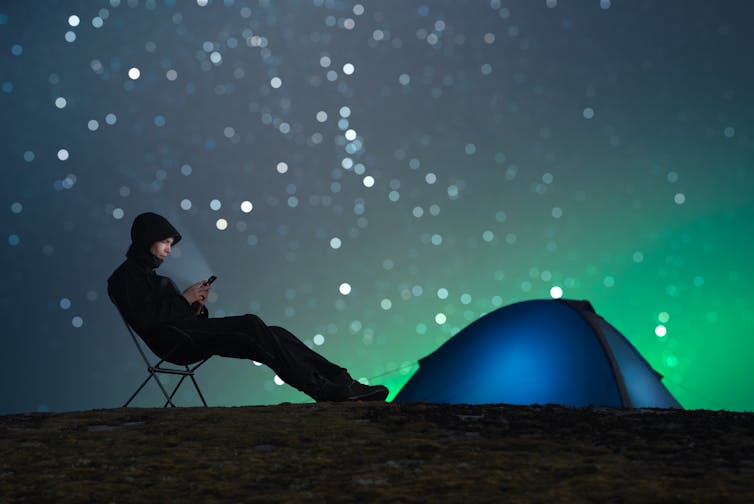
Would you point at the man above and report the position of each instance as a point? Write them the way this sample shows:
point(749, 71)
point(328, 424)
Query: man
point(152, 304)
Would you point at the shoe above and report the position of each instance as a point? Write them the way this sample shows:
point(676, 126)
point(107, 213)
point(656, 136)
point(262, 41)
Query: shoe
point(356, 391)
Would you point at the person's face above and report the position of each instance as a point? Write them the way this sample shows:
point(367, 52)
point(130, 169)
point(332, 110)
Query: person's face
point(161, 249)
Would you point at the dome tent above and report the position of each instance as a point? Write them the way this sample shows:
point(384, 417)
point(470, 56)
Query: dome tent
point(539, 352)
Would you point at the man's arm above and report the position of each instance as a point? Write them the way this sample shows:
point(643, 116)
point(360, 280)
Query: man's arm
point(196, 295)
point(145, 301)
point(166, 303)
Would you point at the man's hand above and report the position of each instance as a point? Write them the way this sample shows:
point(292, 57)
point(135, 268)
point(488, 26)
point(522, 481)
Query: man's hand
point(197, 293)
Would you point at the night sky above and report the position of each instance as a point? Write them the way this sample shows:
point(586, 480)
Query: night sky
point(376, 176)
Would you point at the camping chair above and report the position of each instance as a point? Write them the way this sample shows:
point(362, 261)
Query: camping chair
point(160, 368)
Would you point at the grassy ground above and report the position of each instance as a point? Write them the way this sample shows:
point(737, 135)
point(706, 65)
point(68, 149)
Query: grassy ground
point(374, 452)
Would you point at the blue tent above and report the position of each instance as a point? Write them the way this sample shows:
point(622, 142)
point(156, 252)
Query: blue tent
point(539, 352)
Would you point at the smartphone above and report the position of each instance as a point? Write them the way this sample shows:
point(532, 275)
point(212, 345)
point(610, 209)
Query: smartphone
point(210, 280)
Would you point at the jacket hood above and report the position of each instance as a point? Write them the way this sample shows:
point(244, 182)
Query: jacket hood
point(146, 229)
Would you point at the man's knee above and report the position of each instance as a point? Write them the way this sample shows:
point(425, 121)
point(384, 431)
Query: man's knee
point(253, 319)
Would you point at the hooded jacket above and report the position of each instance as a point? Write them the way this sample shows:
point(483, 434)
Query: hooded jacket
point(145, 299)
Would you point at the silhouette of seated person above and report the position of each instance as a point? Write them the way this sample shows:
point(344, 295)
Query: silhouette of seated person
point(152, 305)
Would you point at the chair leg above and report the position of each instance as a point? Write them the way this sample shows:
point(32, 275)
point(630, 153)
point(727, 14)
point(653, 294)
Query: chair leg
point(137, 391)
point(154, 371)
point(199, 391)
point(196, 385)
point(170, 399)
point(164, 392)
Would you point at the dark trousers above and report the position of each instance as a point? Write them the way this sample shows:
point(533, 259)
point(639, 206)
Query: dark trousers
point(248, 337)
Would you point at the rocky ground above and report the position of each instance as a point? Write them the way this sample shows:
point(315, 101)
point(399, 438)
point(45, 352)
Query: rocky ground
point(374, 452)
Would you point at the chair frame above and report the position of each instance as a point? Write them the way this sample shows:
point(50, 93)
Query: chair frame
point(158, 368)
